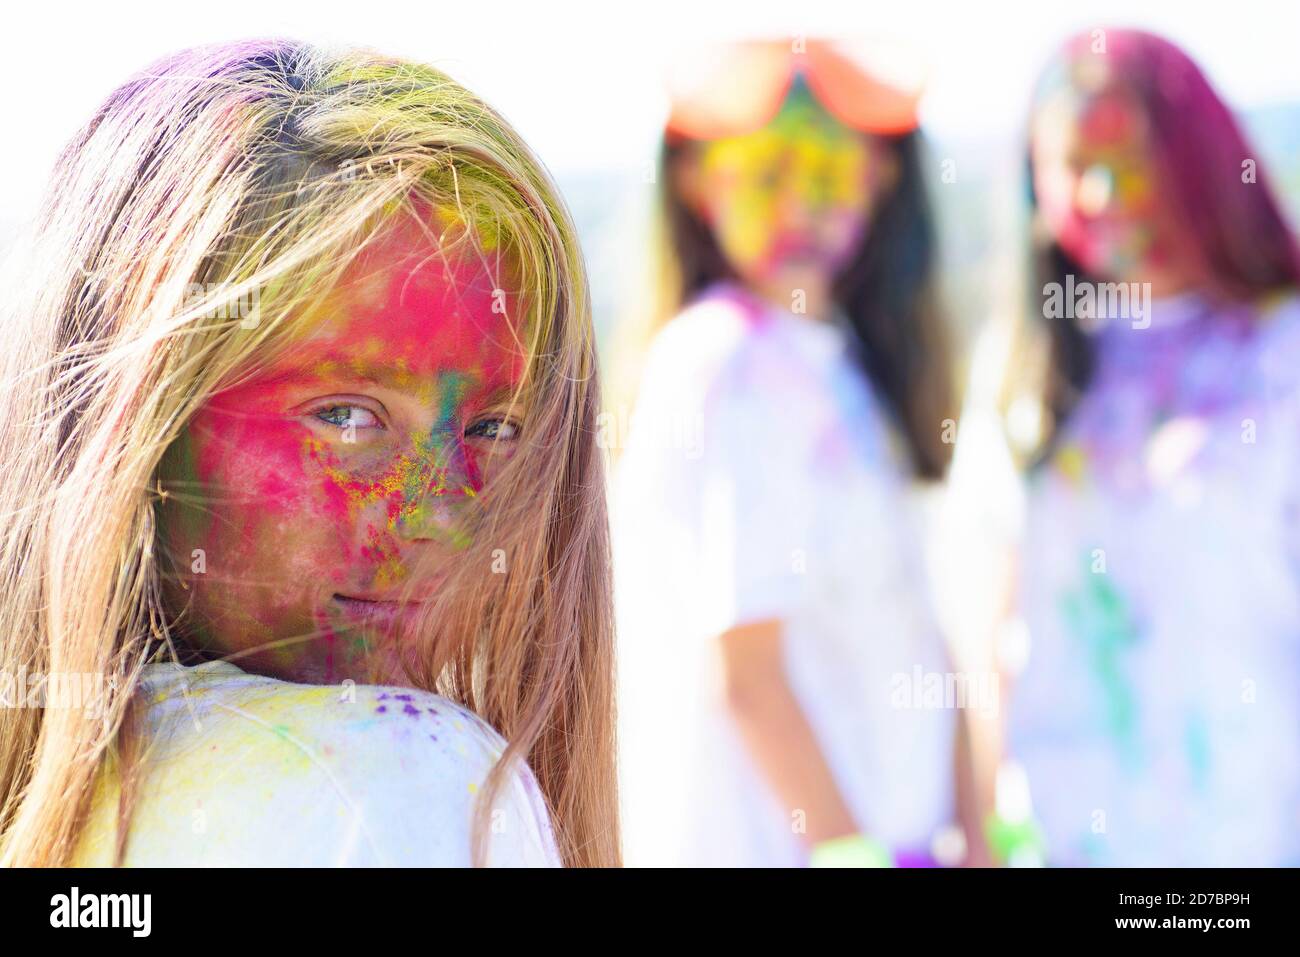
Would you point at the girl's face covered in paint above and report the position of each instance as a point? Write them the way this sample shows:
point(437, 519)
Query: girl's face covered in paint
point(789, 204)
point(313, 505)
point(1095, 179)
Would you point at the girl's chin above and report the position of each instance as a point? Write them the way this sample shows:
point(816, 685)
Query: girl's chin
point(1118, 253)
point(370, 669)
point(790, 275)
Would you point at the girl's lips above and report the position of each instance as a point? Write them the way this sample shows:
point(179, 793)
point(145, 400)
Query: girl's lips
point(380, 614)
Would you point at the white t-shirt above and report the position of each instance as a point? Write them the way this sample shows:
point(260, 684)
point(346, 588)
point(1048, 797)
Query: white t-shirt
point(246, 770)
point(758, 482)
point(1158, 716)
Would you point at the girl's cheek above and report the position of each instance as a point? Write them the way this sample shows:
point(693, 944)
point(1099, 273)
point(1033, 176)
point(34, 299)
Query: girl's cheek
point(249, 455)
point(269, 500)
point(379, 561)
point(364, 510)
point(846, 229)
point(747, 235)
point(1063, 220)
point(1071, 232)
point(741, 215)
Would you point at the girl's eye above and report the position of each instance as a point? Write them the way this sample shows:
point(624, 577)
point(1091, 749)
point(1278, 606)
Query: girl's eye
point(343, 416)
point(494, 429)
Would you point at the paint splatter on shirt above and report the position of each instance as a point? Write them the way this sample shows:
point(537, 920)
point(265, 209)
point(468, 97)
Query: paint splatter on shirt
point(1158, 717)
point(245, 770)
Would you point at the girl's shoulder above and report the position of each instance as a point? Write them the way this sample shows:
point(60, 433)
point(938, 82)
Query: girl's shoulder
point(1277, 344)
point(245, 769)
point(1278, 321)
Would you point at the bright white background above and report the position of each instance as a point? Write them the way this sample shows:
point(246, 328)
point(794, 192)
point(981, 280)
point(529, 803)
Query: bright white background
point(581, 79)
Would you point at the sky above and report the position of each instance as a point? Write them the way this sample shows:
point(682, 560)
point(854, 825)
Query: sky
point(583, 81)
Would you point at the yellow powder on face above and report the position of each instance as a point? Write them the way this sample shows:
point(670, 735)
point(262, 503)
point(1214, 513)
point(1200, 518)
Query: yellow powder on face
point(390, 573)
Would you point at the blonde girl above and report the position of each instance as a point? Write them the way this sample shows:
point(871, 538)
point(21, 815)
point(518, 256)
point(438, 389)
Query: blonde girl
point(299, 383)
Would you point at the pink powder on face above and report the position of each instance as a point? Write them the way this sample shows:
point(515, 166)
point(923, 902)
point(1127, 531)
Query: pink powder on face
point(290, 514)
point(1094, 180)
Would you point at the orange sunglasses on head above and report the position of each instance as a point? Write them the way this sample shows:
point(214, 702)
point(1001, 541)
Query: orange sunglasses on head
point(739, 88)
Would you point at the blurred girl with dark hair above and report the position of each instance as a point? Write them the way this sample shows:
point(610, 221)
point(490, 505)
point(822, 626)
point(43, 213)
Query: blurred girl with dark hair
point(1157, 717)
point(798, 380)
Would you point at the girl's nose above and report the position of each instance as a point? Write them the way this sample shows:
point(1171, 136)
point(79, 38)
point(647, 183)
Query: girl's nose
point(1095, 190)
point(436, 516)
point(434, 501)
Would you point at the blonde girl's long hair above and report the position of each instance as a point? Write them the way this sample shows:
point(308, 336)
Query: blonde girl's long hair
point(252, 173)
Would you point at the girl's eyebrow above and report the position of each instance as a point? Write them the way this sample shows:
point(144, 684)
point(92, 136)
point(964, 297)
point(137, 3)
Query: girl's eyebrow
point(348, 368)
point(305, 375)
point(505, 395)
point(342, 366)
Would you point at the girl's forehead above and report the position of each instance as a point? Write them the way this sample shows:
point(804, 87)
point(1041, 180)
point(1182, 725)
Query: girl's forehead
point(423, 295)
point(802, 126)
point(1108, 118)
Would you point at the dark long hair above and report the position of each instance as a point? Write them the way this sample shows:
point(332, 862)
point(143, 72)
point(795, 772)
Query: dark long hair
point(1234, 227)
point(886, 291)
